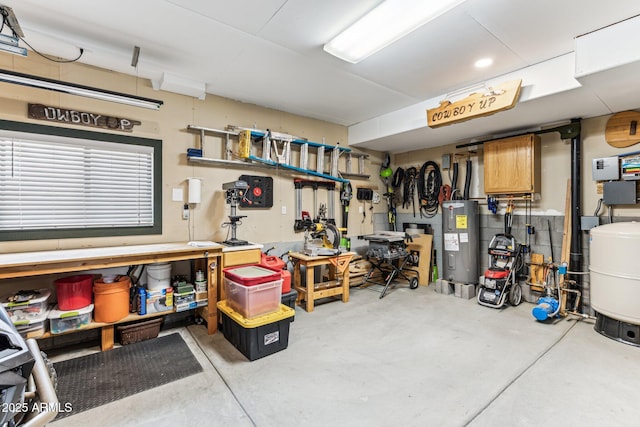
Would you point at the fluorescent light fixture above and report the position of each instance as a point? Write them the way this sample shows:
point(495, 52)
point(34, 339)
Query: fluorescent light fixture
point(74, 89)
point(388, 22)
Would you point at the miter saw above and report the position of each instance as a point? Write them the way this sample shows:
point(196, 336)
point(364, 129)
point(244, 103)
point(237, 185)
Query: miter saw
point(321, 237)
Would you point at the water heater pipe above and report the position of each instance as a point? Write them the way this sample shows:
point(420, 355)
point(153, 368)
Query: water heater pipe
point(467, 180)
point(575, 258)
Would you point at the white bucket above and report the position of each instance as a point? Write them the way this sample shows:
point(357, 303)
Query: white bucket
point(158, 276)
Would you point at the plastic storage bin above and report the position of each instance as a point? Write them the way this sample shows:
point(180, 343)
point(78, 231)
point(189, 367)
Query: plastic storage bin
point(259, 337)
point(250, 275)
point(289, 299)
point(253, 301)
point(26, 304)
point(252, 290)
point(33, 327)
point(74, 292)
point(63, 321)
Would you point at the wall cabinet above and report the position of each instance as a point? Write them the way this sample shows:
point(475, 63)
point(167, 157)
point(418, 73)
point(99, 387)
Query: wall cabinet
point(512, 165)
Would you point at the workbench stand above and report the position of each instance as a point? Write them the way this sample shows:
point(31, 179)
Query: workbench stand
point(391, 271)
point(388, 254)
point(313, 291)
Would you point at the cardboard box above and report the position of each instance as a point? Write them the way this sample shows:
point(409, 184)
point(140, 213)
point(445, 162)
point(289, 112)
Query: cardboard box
point(160, 300)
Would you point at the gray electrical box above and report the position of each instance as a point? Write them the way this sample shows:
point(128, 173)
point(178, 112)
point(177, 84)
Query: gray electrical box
point(605, 169)
point(446, 162)
point(619, 193)
point(589, 222)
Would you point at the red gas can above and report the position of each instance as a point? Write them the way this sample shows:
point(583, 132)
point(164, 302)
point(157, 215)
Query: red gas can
point(277, 264)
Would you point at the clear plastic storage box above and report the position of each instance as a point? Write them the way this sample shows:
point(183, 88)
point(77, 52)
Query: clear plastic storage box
point(252, 290)
point(63, 321)
point(33, 326)
point(26, 305)
point(253, 301)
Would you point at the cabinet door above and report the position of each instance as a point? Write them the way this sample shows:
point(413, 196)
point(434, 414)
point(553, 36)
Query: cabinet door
point(250, 256)
point(511, 165)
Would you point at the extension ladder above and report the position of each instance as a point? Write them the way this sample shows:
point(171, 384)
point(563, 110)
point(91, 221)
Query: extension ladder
point(277, 150)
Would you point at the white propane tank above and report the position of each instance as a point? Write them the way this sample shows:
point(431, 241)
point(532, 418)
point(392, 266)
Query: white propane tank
point(615, 271)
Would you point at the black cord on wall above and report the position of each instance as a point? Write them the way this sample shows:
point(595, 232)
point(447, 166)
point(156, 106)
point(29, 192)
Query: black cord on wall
point(429, 183)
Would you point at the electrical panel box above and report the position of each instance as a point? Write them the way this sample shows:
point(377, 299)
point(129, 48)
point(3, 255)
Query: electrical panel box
point(619, 193)
point(605, 169)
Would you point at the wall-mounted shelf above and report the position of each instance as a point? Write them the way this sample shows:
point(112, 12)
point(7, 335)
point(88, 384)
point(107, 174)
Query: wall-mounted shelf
point(277, 150)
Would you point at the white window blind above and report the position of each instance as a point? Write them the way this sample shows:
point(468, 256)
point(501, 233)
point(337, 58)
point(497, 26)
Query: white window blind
point(53, 182)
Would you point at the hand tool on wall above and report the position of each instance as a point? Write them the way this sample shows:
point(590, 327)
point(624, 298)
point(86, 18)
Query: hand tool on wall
point(299, 184)
point(345, 199)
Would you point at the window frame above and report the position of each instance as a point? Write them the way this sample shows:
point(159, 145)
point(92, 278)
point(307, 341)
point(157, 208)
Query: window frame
point(73, 233)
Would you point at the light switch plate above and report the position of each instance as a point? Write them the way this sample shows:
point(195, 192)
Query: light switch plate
point(177, 195)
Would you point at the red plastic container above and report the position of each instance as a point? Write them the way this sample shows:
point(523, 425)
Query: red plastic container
point(74, 292)
point(251, 275)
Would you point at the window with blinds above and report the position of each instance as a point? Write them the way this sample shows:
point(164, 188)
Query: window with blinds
point(72, 186)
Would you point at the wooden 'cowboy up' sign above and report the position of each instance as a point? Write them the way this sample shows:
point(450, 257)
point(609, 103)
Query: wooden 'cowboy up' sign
point(62, 115)
point(499, 98)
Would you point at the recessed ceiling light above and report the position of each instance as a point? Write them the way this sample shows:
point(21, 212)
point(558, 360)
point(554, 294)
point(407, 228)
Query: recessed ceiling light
point(483, 63)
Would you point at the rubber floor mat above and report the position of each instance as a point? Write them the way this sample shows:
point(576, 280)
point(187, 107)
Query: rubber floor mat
point(90, 381)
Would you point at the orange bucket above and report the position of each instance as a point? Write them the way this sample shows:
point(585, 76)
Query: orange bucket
point(111, 300)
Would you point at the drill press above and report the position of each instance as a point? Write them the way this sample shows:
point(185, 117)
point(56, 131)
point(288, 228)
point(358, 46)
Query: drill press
point(235, 192)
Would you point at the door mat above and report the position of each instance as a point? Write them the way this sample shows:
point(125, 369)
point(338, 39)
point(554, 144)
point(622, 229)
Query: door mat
point(90, 381)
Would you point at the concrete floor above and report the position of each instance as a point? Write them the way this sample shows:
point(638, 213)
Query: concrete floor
point(414, 358)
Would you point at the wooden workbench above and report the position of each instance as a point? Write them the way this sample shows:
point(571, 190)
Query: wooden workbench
point(24, 264)
point(313, 291)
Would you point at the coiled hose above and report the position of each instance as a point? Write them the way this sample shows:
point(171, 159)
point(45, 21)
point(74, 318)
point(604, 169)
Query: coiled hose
point(429, 183)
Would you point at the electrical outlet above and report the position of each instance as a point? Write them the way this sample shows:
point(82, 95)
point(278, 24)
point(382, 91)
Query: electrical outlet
point(284, 210)
point(185, 212)
point(360, 209)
